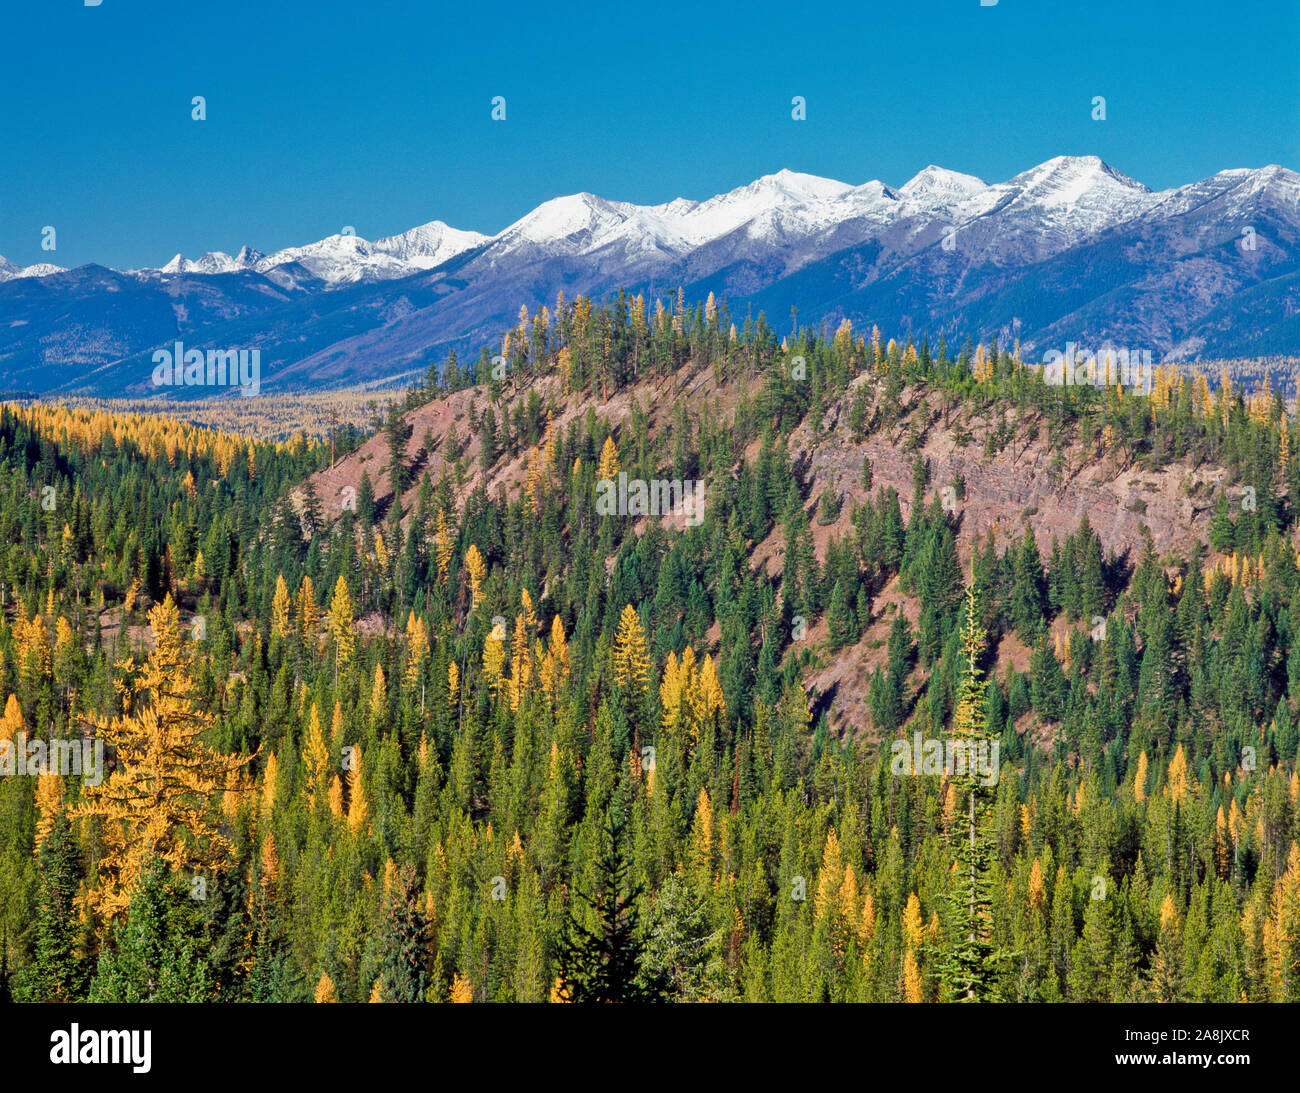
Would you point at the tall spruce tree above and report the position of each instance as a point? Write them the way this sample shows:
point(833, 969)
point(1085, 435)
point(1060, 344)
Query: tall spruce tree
point(969, 966)
point(58, 970)
point(606, 964)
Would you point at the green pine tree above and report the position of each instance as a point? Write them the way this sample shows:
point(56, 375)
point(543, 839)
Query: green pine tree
point(970, 966)
point(606, 964)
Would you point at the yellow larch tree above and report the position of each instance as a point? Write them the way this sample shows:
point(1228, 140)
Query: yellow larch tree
point(631, 656)
point(911, 978)
point(533, 483)
point(316, 757)
point(158, 800)
point(13, 721)
point(702, 835)
point(608, 467)
point(444, 544)
point(670, 691)
point(417, 648)
point(308, 613)
point(707, 699)
point(358, 806)
point(829, 878)
point(49, 805)
point(342, 623)
point(1140, 779)
point(913, 924)
point(1177, 787)
point(378, 695)
point(494, 656)
point(336, 798)
point(1037, 888)
point(281, 618)
point(270, 783)
point(477, 570)
point(521, 665)
point(554, 671)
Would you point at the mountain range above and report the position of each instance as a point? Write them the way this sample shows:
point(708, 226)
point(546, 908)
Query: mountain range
point(1069, 251)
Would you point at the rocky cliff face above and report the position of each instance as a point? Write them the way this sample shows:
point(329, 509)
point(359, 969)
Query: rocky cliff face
point(1026, 482)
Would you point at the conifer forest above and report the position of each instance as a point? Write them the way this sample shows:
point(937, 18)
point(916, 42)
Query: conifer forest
point(403, 712)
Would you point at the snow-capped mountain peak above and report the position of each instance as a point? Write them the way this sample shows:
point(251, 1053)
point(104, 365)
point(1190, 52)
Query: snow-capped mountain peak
point(429, 244)
point(1055, 204)
point(563, 217)
point(800, 186)
point(1065, 179)
point(940, 185)
point(11, 272)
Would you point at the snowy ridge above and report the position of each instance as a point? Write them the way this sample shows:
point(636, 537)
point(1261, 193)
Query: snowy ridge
point(11, 272)
point(1062, 201)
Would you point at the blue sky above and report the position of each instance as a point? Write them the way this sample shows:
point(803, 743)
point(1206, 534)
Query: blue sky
point(377, 114)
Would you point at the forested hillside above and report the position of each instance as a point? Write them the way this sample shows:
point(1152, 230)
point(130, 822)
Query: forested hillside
point(441, 726)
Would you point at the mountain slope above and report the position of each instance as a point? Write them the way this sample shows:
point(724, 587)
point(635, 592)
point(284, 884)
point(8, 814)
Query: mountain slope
point(1070, 250)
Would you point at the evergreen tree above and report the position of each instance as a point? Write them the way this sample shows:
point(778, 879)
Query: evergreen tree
point(970, 962)
point(158, 953)
point(57, 972)
point(605, 964)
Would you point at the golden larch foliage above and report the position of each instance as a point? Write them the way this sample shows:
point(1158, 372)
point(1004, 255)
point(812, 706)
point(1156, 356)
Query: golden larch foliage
point(417, 648)
point(159, 798)
point(270, 776)
point(1178, 780)
point(13, 721)
point(325, 989)
point(444, 544)
point(555, 668)
point(49, 804)
point(1168, 913)
point(867, 918)
point(533, 484)
point(336, 798)
point(308, 613)
point(358, 806)
point(378, 694)
point(710, 702)
point(477, 570)
point(829, 877)
point(608, 467)
point(911, 978)
point(702, 831)
point(316, 757)
point(281, 619)
point(670, 690)
point(1037, 889)
point(913, 924)
point(342, 624)
point(521, 664)
point(631, 657)
point(494, 656)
